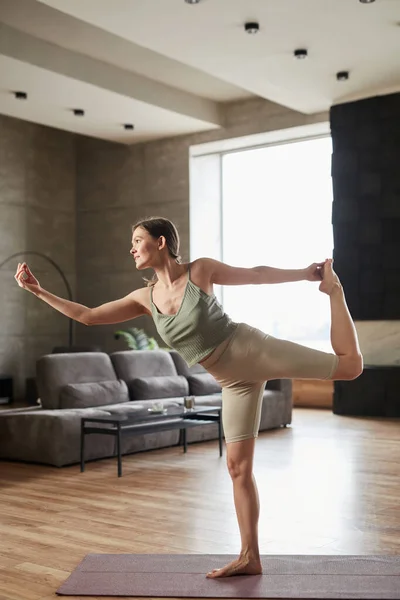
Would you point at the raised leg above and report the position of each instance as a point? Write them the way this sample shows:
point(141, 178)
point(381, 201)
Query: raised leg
point(344, 338)
point(240, 464)
point(267, 357)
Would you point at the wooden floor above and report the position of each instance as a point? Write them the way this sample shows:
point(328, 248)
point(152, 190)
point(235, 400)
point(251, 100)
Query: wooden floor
point(327, 485)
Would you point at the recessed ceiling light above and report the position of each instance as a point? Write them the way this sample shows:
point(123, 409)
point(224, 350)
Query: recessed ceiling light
point(21, 95)
point(342, 75)
point(367, 1)
point(78, 112)
point(251, 27)
point(301, 53)
point(192, 1)
point(128, 126)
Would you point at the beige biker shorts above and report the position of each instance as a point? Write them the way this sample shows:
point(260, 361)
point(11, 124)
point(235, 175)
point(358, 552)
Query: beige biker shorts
point(244, 362)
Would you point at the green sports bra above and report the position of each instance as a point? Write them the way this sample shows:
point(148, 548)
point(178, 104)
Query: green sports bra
point(198, 327)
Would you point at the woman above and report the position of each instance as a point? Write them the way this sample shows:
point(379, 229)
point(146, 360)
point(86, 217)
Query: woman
point(189, 318)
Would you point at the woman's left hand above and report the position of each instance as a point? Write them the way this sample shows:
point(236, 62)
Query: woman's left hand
point(314, 272)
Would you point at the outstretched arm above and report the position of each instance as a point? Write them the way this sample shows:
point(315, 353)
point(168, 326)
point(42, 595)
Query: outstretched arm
point(223, 274)
point(118, 311)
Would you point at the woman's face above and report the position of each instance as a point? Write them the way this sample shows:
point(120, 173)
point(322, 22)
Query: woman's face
point(144, 248)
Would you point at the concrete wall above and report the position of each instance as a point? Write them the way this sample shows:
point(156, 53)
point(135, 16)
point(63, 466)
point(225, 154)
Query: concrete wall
point(37, 212)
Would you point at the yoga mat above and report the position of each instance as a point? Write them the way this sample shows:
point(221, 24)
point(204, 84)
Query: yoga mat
point(284, 576)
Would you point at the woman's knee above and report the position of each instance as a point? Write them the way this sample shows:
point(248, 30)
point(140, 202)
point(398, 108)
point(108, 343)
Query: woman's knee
point(349, 367)
point(239, 458)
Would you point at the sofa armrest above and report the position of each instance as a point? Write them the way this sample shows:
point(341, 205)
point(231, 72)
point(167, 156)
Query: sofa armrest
point(51, 437)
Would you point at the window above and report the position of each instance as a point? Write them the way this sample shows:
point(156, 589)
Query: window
point(276, 210)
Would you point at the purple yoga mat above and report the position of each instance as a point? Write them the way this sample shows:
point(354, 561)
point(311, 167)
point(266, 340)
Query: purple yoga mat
point(284, 576)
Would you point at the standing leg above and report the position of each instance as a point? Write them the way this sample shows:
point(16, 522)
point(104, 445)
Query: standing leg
point(240, 464)
point(257, 357)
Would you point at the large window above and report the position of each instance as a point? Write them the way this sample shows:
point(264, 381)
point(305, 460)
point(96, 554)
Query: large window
point(276, 210)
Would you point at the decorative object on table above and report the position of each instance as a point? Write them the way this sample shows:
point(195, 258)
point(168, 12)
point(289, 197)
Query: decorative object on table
point(157, 407)
point(137, 339)
point(188, 402)
point(55, 265)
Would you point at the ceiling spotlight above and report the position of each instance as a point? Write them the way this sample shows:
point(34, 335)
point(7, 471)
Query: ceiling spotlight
point(78, 112)
point(251, 27)
point(21, 95)
point(300, 53)
point(367, 1)
point(128, 126)
point(342, 75)
point(192, 1)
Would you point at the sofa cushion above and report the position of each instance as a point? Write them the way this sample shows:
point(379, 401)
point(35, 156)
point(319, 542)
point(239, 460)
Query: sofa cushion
point(129, 364)
point(202, 384)
point(54, 371)
point(85, 395)
point(168, 386)
point(181, 366)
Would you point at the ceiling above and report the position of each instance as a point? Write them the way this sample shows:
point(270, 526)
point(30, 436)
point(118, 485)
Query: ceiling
point(168, 67)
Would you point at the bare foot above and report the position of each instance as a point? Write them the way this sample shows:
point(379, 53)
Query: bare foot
point(244, 565)
point(330, 281)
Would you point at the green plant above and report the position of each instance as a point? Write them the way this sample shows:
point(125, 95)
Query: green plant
point(137, 339)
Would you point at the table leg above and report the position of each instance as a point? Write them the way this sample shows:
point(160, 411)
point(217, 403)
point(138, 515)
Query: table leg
point(119, 449)
point(184, 441)
point(82, 447)
point(220, 432)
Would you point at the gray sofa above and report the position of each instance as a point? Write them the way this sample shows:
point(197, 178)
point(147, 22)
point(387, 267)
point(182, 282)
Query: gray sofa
point(94, 383)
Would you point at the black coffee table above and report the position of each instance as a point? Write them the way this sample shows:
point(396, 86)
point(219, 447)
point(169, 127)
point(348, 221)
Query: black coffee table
point(143, 421)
